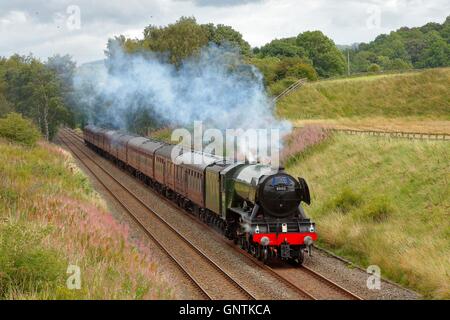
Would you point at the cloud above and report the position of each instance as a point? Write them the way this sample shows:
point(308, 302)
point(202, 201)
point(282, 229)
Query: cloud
point(41, 26)
point(223, 3)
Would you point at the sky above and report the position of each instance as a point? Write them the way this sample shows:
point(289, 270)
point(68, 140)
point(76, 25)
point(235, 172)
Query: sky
point(81, 28)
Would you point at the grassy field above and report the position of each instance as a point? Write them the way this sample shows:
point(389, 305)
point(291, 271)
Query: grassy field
point(420, 95)
point(51, 218)
point(384, 202)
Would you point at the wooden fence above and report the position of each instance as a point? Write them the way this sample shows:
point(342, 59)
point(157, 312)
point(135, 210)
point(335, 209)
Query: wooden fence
point(397, 134)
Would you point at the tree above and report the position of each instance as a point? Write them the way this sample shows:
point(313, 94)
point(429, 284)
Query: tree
point(295, 68)
point(436, 53)
point(49, 109)
point(5, 106)
point(422, 47)
point(222, 34)
point(399, 64)
point(321, 50)
point(282, 48)
point(267, 67)
point(34, 90)
point(374, 68)
point(445, 31)
point(178, 41)
point(363, 59)
point(64, 69)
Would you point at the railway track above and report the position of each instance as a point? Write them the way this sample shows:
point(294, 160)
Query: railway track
point(316, 283)
point(318, 286)
point(198, 268)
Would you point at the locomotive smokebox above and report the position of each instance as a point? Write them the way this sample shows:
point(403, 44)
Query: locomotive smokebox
point(278, 195)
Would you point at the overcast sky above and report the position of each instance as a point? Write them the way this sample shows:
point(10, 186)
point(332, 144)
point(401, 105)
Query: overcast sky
point(81, 28)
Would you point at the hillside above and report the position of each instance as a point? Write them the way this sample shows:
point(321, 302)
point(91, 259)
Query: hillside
point(420, 95)
point(384, 202)
point(50, 218)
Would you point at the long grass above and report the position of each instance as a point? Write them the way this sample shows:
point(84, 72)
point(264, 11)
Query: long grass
point(300, 140)
point(384, 202)
point(423, 94)
point(50, 218)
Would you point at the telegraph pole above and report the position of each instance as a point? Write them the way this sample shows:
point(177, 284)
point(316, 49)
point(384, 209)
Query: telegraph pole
point(348, 62)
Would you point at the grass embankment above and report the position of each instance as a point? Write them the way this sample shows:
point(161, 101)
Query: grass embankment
point(421, 95)
point(384, 202)
point(51, 218)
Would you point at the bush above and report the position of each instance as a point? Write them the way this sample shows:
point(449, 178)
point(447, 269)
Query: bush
point(15, 128)
point(296, 68)
point(378, 210)
point(346, 200)
point(399, 64)
point(374, 68)
point(278, 87)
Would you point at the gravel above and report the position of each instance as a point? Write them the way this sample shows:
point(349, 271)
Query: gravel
point(354, 278)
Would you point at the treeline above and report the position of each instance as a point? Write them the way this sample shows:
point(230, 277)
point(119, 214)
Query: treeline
point(312, 54)
point(406, 48)
point(41, 92)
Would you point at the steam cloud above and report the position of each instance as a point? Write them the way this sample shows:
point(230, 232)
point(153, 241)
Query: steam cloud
point(215, 87)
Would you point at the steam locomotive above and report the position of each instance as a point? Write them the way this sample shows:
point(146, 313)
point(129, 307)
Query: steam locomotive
point(257, 207)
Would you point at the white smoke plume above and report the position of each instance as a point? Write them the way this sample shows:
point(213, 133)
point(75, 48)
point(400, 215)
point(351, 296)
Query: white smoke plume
point(215, 87)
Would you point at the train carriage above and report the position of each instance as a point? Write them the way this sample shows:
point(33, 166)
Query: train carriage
point(164, 167)
point(218, 191)
point(122, 146)
point(104, 145)
point(113, 143)
point(193, 166)
point(87, 133)
point(92, 134)
point(148, 151)
point(135, 153)
point(107, 142)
